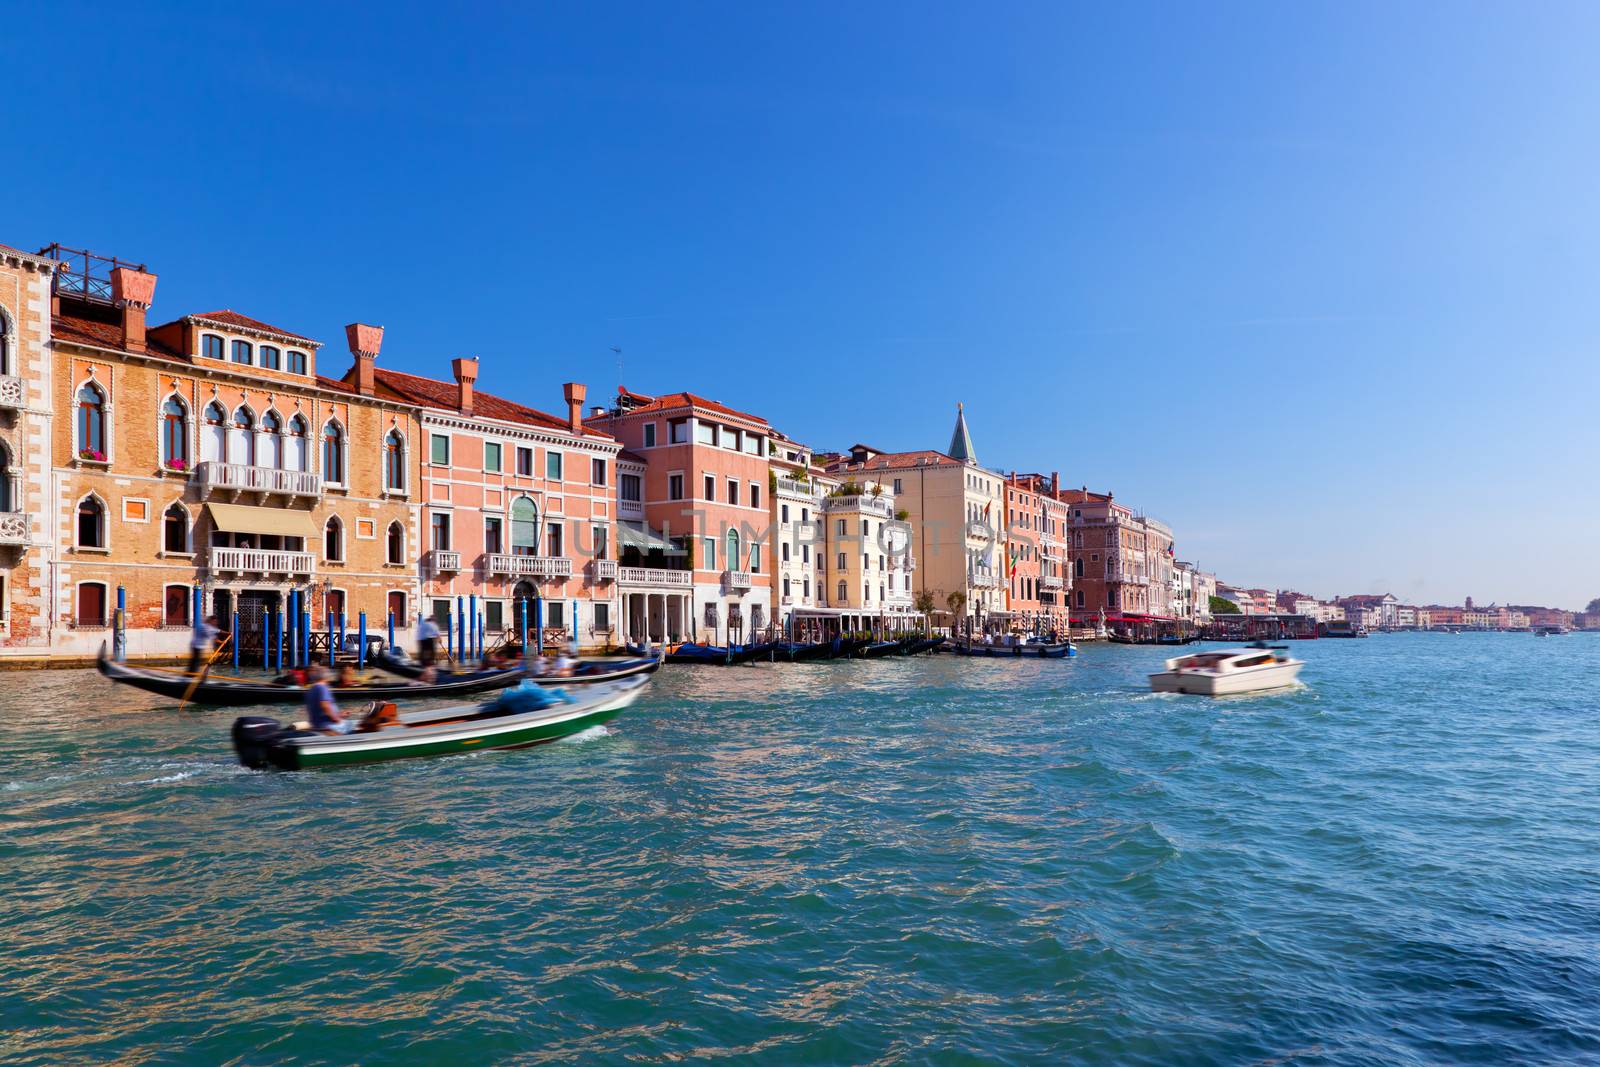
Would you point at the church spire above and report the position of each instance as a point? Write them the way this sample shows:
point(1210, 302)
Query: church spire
point(961, 441)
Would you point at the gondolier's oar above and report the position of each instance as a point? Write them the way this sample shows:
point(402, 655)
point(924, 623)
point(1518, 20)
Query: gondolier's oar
point(200, 675)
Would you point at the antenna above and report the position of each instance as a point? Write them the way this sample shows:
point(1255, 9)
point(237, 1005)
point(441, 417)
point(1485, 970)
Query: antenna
point(618, 353)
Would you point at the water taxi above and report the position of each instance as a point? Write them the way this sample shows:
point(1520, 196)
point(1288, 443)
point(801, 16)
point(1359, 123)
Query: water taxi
point(1227, 671)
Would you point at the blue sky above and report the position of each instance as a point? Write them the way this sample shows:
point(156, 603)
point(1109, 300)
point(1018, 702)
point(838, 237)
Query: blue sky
point(1316, 284)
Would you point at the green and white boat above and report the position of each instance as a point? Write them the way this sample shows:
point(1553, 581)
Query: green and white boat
point(518, 718)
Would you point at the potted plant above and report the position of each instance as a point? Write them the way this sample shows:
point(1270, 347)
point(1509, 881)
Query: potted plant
point(177, 463)
point(902, 515)
point(92, 454)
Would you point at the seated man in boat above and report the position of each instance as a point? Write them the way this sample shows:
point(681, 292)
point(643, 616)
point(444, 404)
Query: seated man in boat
point(320, 707)
point(564, 665)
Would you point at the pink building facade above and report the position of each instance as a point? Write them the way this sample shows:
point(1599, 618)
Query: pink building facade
point(518, 506)
point(705, 495)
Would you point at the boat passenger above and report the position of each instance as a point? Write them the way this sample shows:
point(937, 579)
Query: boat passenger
point(563, 665)
point(200, 642)
point(320, 707)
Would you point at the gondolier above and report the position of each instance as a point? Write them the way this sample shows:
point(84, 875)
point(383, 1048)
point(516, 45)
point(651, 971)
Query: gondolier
point(205, 632)
point(427, 641)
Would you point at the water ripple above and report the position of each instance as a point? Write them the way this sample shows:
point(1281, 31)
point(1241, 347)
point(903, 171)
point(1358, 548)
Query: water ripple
point(878, 862)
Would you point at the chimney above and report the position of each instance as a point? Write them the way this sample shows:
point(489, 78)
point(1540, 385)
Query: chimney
point(575, 392)
point(133, 291)
point(466, 371)
point(364, 344)
point(596, 411)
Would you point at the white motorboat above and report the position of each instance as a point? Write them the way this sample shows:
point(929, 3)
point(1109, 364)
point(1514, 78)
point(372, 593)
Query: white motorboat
point(1227, 671)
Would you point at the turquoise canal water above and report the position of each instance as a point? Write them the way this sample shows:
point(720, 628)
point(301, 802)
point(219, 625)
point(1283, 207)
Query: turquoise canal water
point(931, 860)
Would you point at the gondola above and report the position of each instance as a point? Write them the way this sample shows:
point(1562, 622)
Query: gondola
point(716, 655)
point(230, 691)
point(877, 649)
point(516, 719)
point(1045, 651)
point(588, 672)
point(801, 652)
point(850, 646)
point(921, 645)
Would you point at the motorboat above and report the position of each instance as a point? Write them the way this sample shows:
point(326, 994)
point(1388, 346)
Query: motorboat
point(1228, 671)
point(517, 718)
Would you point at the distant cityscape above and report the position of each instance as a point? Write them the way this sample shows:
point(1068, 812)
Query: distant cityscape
point(1384, 611)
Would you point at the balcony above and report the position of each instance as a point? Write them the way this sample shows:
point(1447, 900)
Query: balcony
point(983, 580)
point(630, 510)
point(444, 561)
point(1050, 581)
point(11, 394)
point(871, 505)
point(260, 561)
point(908, 562)
point(605, 570)
point(14, 527)
point(542, 567)
point(243, 478)
point(735, 581)
point(804, 490)
point(654, 576)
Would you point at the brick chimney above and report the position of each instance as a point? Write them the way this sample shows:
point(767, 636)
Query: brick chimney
point(575, 392)
point(364, 344)
point(133, 291)
point(1055, 482)
point(466, 371)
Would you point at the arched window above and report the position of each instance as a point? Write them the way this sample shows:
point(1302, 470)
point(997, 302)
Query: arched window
point(92, 604)
point(333, 541)
point(294, 445)
point(271, 358)
point(844, 592)
point(297, 362)
point(175, 529)
point(211, 346)
point(394, 462)
point(271, 451)
point(5, 344)
point(397, 543)
point(214, 434)
point(1077, 567)
point(174, 434)
point(7, 496)
point(242, 352)
point(524, 527)
point(734, 560)
point(91, 422)
point(333, 454)
point(91, 523)
point(242, 438)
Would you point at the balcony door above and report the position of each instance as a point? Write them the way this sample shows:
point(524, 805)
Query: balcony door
point(524, 527)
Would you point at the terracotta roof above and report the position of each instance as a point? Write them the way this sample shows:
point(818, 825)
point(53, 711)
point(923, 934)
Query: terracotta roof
point(1083, 496)
point(229, 317)
point(632, 457)
point(72, 329)
point(668, 401)
point(926, 457)
point(440, 394)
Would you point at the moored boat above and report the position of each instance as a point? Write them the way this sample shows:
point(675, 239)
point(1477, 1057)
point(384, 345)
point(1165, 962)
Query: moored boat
point(1227, 671)
point(232, 691)
point(801, 652)
point(876, 649)
point(717, 655)
point(525, 716)
point(1025, 648)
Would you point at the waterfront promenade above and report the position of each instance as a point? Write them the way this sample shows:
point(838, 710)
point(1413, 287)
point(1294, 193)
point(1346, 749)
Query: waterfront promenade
point(905, 860)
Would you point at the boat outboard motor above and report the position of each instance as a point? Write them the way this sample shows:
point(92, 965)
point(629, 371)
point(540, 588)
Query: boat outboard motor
point(253, 739)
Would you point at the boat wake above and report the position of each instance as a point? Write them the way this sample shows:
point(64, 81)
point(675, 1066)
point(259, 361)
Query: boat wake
point(593, 733)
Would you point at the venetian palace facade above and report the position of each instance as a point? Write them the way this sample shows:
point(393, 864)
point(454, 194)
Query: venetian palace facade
point(207, 459)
